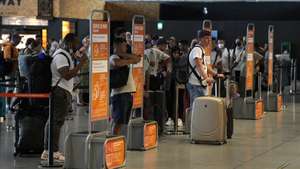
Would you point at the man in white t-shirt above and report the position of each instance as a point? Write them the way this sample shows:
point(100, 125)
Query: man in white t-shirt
point(63, 71)
point(199, 79)
point(158, 65)
point(121, 98)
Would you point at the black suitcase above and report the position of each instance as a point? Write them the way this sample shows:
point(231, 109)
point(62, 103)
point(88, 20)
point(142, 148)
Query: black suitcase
point(29, 136)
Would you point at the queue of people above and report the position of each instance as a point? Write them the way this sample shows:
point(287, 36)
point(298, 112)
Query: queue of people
point(167, 63)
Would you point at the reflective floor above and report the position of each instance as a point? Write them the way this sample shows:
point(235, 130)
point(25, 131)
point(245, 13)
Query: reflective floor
point(270, 143)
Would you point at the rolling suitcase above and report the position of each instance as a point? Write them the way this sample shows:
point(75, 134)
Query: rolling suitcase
point(187, 123)
point(31, 136)
point(208, 120)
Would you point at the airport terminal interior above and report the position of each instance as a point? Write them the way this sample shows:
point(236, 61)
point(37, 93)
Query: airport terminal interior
point(149, 84)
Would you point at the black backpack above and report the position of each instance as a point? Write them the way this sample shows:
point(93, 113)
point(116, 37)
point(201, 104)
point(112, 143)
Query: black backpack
point(119, 77)
point(40, 76)
point(182, 70)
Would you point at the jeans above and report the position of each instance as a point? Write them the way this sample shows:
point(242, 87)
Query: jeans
point(121, 108)
point(194, 92)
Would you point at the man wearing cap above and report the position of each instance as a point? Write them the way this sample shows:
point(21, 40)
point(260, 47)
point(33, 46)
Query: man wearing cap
point(159, 64)
point(199, 78)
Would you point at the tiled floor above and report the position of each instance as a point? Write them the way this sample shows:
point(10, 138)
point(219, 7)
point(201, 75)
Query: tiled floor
point(270, 143)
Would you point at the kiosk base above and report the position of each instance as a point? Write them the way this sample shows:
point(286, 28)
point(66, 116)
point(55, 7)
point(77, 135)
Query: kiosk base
point(96, 151)
point(273, 102)
point(142, 135)
point(248, 108)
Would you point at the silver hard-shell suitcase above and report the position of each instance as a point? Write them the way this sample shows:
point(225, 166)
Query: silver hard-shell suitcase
point(208, 120)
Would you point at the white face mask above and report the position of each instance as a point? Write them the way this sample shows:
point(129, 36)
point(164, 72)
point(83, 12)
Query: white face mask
point(221, 45)
point(71, 51)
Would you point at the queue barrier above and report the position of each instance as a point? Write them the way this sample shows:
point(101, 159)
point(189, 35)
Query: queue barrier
point(50, 162)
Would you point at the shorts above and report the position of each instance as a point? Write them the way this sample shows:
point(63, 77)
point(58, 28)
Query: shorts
point(121, 107)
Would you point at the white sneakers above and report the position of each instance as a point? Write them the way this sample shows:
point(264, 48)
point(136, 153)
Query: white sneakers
point(179, 123)
point(56, 156)
point(170, 122)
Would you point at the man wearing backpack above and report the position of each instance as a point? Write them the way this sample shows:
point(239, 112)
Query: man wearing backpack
point(199, 79)
point(121, 96)
point(63, 72)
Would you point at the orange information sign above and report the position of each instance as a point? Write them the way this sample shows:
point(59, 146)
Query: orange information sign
point(100, 79)
point(270, 59)
point(250, 57)
point(150, 135)
point(138, 70)
point(114, 149)
point(259, 109)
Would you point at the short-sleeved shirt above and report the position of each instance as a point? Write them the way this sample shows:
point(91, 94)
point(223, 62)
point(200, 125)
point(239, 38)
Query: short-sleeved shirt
point(240, 58)
point(130, 86)
point(156, 55)
point(60, 61)
point(197, 52)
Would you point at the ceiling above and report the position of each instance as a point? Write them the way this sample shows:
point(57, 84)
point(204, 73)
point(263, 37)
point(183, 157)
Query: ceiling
point(230, 10)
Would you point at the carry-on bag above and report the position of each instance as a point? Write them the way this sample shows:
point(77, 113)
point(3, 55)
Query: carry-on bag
point(209, 120)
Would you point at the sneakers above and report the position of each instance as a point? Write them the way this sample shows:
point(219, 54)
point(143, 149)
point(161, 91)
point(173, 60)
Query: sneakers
point(44, 155)
point(170, 122)
point(56, 156)
point(179, 123)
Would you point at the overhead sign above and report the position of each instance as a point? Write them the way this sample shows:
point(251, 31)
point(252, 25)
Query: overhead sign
point(100, 79)
point(18, 7)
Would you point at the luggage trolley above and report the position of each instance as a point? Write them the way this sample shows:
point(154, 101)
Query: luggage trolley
point(92, 149)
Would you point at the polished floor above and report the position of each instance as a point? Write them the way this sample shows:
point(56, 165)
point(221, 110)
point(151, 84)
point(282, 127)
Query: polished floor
point(270, 143)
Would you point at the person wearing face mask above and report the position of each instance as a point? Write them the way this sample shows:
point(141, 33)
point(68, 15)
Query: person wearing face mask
point(63, 71)
point(237, 54)
point(225, 57)
point(24, 54)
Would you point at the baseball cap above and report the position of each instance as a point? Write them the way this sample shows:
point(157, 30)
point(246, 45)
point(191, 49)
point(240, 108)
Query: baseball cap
point(161, 41)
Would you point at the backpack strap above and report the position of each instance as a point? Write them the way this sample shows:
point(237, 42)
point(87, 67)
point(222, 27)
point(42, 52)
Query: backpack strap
point(69, 62)
point(193, 68)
